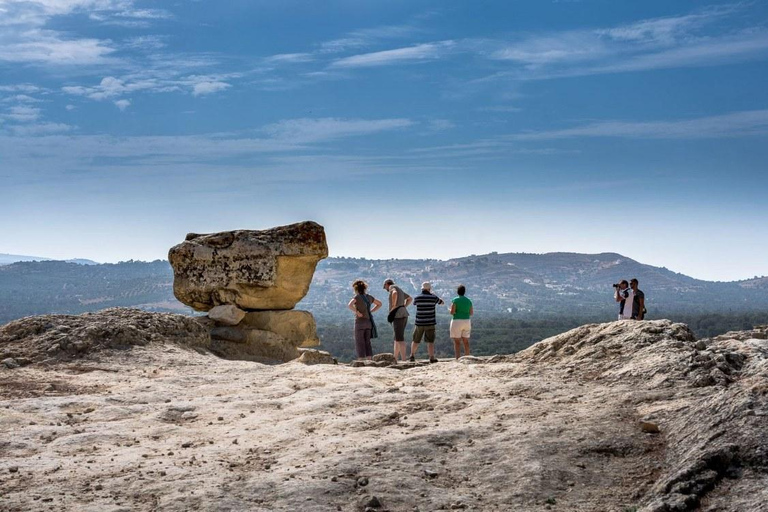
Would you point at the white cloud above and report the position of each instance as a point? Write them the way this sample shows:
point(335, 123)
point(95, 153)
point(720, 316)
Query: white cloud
point(736, 124)
point(114, 87)
point(289, 58)
point(145, 43)
point(365, 37)
point(566, 47)
point(26, 88)
point(26, 37)
point(22, 114)
point(40, 129)
point(672, 42)
point(20, 98)
point(122, 104)
point(312, 130)
point(49, 47)
point(130, 18)
point(421, 52)
point(70, 107)
point(208, 87)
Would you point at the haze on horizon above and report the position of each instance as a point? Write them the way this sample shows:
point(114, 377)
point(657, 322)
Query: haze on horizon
point(408, 129)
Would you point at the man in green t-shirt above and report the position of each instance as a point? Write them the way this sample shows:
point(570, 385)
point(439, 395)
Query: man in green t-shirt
point(461, 323)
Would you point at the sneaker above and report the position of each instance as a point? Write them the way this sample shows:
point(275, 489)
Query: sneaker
point(432, 360)
point(412, 359)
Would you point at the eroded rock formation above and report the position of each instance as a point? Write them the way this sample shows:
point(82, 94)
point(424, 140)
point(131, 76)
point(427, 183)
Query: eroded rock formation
point(249, 282)
point(253, 270)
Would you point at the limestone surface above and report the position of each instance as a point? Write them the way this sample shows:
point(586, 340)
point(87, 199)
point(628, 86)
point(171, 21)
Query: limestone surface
point(624, 416)
point(269, 269)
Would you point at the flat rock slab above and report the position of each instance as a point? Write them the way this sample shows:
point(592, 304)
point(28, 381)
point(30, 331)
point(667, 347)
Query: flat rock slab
point(298, 327)
point(226, 315)
point(269, 269)
point(252, 345)
point(311, 356)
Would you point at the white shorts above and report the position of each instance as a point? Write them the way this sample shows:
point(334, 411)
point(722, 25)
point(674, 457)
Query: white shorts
point(460, 328)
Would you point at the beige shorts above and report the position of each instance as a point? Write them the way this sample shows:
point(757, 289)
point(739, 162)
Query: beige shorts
point(461, 328)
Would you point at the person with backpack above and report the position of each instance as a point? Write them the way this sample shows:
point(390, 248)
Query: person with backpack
point(363, 306)
point(398, 314)
point(426, 321)
point(638, 301)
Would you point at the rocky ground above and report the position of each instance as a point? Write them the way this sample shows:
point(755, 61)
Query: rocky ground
point(625, 416)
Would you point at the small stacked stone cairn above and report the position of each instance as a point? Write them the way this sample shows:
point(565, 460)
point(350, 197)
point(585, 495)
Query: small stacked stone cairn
point(249, 282)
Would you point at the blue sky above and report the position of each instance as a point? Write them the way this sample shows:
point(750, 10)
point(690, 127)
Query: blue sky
point(408, 128)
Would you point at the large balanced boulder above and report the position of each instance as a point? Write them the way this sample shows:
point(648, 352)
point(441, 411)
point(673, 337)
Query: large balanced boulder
point(269, 269)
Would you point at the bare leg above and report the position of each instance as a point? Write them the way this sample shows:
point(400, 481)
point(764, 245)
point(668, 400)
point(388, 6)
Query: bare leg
point(400, 349)
point(466, 345)
point(457, 347)
point(414, 348)
point(431, 350)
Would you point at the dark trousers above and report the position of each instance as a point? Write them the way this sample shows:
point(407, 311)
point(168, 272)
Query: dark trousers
point(363, 338)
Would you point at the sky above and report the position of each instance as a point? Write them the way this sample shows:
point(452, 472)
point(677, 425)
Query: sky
point(409, 129)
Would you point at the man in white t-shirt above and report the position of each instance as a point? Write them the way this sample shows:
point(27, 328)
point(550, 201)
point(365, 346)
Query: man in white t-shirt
point(625, 296)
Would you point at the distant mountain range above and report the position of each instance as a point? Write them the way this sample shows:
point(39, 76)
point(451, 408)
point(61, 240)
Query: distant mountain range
point(7, 259)
point(518, 285)
point(533, 284)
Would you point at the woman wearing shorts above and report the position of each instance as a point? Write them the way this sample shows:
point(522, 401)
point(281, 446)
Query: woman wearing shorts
point(362, 305)
point(461, 325)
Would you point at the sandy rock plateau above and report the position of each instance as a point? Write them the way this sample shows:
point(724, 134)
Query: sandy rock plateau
point(131, 411)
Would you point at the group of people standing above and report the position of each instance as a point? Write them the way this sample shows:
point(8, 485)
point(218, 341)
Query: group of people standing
point(364, 305)
point(631, 300)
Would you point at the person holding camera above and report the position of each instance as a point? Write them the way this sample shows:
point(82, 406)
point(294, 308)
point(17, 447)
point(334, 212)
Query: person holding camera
point(624, 295)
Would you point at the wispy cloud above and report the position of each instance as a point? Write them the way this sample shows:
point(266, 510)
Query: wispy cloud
point(20, 98)
point(130, 18)
point(38, 46)
point(420, 52)
point(735, 124)
point(366, 37)
point(25, 38)
point(122, 104)
point(25, 88)
point(289, 58)
point(40, 129)
point(312, 130)
point(690, 40)
point(204, 87)
point(22, 114)
point(113, 87)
